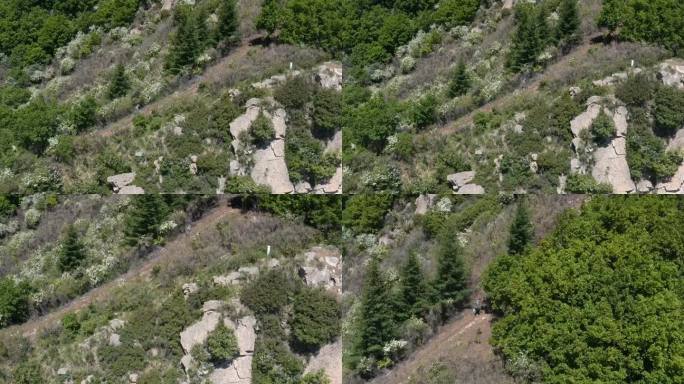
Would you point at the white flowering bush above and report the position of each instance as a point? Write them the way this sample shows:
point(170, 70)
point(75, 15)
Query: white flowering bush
point(8, 228)
point(167, 227)
point(98, 273)
point(16, 243)
point(444, 205)
point(394, 349)
point(32, 218)
point(66, 66)
point(407, 64)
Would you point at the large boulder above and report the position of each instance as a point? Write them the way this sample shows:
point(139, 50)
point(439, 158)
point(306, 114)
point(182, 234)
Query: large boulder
point(424, 202)
point(198, 332)
point(329, 75)
point(270, 168)
point(460, 179)
point(610, 166)
point(671, 72)
point(328, 359)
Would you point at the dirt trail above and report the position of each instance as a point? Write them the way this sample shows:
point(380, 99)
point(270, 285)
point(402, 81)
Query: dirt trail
point(212, 73)
point(531, 87)
point(207, 222)
point(463, 344)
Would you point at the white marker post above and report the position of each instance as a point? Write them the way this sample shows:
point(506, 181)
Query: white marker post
point(268, 250)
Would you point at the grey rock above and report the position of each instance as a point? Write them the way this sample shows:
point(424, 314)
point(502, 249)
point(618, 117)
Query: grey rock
point(471, 189)
point(460, 179)
point(644, 186)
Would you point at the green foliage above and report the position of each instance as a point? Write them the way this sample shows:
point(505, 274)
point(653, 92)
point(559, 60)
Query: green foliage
point(585, 184)
point(228, 27)
point(144, 216)
point(451, 283)
point(320, 212)
point(305, 158)
point(84, 113)
point(327, 109)
point(315, 320)
point(370, 124)
point(29, 372)
point(669, 110)
point(269, 293)
point(274, 363)
point(294, 93)
point(637, 90)
point(460, 81)
point(365, 213)
point(656, 21)
point(377, 326)
point(590, 302)
point(414, 299)
point(72, 254)
point(568, 28)
point(222, 344)
point(318, 377)
point(71, 324)
point(521, 231)
point(424, 111)
point(603, 128)
point(261, 132)
point(647, 157)
point(119, 84)
point(13, 97)
point(14, 301)
point(120, 360)
point(530, 38)
point(185, 43)
point(8, 205)
point(450, 161)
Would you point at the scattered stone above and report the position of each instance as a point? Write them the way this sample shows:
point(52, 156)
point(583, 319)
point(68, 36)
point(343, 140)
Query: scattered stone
point(534, 167)
point(63, 371)
point(303, 187)
point(116, 324)
point(424, 203)
point(133, 378)
point(562, 183)
point(178, 131)
point(229, 279)
point(644, 186)
point(193, 168)
point(251, 271)
point(460, 179)
point(121, 180)
point(574, 91)
point(189, 289)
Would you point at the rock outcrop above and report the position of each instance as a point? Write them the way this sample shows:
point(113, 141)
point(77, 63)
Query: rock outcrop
point(423, 203)
point(121, 184)
point(460, 182)
point(329, 75)
point(671, 72)
point(328, 359)
point(333, 186)
point(321, 268)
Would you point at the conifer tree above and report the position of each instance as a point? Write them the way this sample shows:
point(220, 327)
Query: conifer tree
point(530, 37)
point(568, 27)
point(377, 317)
point(119, 85)
point(414, 291)
point(185, 44)
point(521, 231)
point(72, 254)
point(269, 18)
point(460, 82)
point(145, 215)
point(451, 284)
point(228, 22)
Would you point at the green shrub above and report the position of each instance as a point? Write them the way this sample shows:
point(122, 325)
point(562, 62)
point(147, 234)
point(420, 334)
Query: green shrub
point(294, 93)
point(647, 157)
point(583, 184)
point(14, 301)
point(637, 90)
point(84, 114)
point(424, 111)
point(222, 344)
point(269, 293)
point(305, 158)
point(261, 132)
point(119, 84)
point(29, 372)
point(274, 363)
point(365, 213)
point(120, 360)
point(603, 128)
point(315, 320)
point(669, 110)
point(327, 109)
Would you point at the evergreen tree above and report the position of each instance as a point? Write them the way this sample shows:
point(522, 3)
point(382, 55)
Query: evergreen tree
point(460, 82)
point(451, 284)
point(568, 27)
point(119, 85)
point(377, 325)
point(185, 44)
point(145, 215)
point(521, 231)
point(413, 300)
point(72, 253)
point(228, 22)
point(269, 18)
point(530, 37)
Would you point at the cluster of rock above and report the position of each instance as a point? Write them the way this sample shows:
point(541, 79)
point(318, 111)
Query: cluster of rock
point(122, 184)
point(671, 72)
point(239, 370)
point(461, 183)
point(321, 267)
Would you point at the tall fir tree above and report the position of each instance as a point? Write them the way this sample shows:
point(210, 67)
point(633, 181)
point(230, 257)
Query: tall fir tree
point(119, 84)
point(185, 44)
point(521, 231)
point(72, 253)
point(228, 23)
point(377, 317)
point(530, 38)
point(460, 82)
point(414, 290)
point(144, 216)
point(568, 29)
point(451, 283)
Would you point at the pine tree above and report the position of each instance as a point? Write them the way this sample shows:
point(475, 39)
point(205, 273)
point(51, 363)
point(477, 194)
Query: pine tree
point(451, 284)
point(413, 300)
point(460, 82)
point(568, 27)
point(228, 22)
point(72, 254)
point(521, 231)
point(377, 324)
point(185, 44)
point(119, 85)
point(530, 37)
point(145, 215)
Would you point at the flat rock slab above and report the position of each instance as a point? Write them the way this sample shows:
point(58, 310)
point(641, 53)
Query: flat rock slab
point(131, 190)
point(471, 189)
point(198, 332)
point(586, 118)
point(460, 179)
point(239, 371)
point(244, 121)
point(611, 167)
point(270, 168)
point(244, 333)
point(121, 180)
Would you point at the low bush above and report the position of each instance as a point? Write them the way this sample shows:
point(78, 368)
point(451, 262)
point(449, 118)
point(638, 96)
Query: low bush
point(315, 320)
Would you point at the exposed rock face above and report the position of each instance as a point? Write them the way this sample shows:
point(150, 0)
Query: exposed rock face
point(677, 143)
point(198, 332)
point(321, 268)
point(244, 121)
point(460, 179)
point(131, 190)
point(334, 145)
point(270, 168)
point(611, 166)
point(333, 186)
point(114, 340)
point(671, 72)
point(675, 185)
point(244, 332)
point(471, 189)
point(303, 187)
point(239, 371)
point(168, 5)
point(274, 80)
point(329, 75)
point(328, 359)
point(121, 184)
point(585, 119)
point(424, 203)
point(644, 186)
